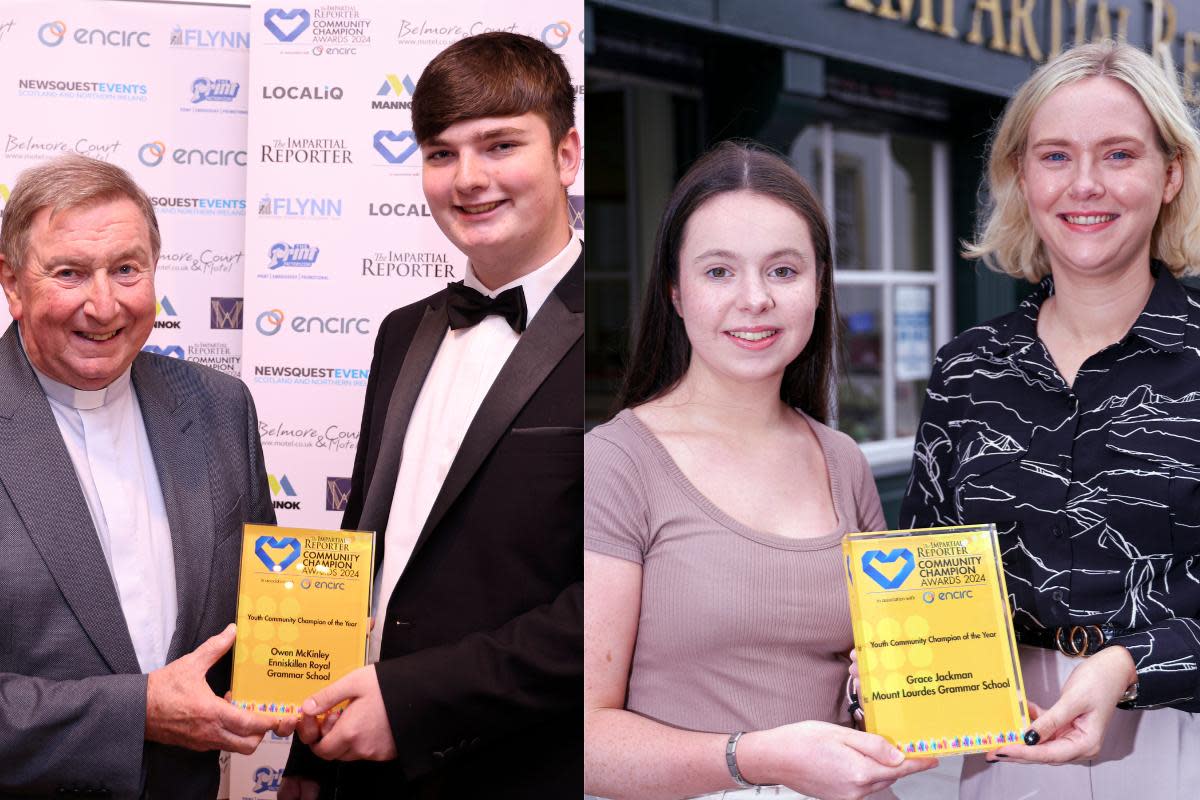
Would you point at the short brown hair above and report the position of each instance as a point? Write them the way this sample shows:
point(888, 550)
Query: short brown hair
point(494, 74)
point(69, 181)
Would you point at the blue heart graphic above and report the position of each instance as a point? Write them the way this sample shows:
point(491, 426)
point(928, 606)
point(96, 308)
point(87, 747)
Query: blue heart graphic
point(274, 14)
point(391, 136)
point(901, 553)
point(262, 541)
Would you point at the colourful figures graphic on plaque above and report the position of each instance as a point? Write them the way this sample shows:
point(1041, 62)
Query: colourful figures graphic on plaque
point(303, 605)
point(937, 659)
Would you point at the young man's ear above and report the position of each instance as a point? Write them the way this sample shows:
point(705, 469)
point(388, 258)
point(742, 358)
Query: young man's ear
point(569, 155)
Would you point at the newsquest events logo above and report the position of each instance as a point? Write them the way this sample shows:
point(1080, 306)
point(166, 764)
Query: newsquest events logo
point(337, 493)
point(225, 313)
point(396, 147)
point(54, 33)
point(271, 322)
point(400, 88)
point(152, 154)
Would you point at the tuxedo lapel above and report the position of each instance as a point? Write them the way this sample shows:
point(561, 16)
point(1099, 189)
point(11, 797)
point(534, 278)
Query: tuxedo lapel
point(417, 360)
point(550, 336)
point(181, 463)
point(37, 473)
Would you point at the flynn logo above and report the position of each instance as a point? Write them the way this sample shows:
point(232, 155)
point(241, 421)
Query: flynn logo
point(226, 313)
point(901, 554)
point(282, 486)
point(337, 493)
point(284, 552)
point(286, 26)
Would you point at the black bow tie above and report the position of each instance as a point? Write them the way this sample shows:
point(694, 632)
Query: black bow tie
point(468, 307)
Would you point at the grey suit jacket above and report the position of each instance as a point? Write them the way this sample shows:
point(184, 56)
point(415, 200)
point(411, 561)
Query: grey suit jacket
point(72, 701)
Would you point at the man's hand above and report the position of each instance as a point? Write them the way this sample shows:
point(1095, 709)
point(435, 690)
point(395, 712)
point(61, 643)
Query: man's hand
point(182, 710)
point(360, 732)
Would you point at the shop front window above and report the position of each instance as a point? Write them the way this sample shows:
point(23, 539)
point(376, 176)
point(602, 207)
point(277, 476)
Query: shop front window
point(887, 198)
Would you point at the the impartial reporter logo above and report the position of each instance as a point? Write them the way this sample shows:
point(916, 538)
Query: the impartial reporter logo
point(286, 26)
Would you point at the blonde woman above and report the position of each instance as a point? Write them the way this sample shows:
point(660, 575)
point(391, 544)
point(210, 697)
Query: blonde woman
point(1074, 424)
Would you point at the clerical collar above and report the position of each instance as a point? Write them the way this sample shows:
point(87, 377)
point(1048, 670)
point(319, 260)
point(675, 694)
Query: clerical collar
point(82, 399)
point(538, 284)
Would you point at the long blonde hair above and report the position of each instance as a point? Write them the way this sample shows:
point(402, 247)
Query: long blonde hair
point(1006, 240)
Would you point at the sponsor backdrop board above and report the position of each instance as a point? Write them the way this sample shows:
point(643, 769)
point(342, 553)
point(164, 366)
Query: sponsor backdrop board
point(337, 229)
point(159, 89)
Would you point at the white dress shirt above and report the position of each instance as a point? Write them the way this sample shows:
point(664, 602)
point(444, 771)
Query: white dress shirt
point(106, 439)
point(467, 362)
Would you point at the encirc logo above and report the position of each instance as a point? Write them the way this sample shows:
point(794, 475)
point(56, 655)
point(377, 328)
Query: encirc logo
point(555, 34)
point(927, 597)
point(151, 153)
point(51, 34)
point(269, 322)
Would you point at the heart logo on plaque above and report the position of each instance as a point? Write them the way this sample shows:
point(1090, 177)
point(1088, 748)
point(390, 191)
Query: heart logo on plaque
point(283, 552)
point(294, 23)
point(871, 558)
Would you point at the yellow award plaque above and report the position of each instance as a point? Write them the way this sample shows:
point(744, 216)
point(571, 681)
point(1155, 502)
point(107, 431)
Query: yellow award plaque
point(937, 661)
point(304, 600)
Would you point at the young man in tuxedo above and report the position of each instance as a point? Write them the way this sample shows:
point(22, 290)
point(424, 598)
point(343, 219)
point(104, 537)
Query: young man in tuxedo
point(470, 465)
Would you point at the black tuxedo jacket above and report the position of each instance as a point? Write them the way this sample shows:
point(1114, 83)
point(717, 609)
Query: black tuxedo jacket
point(481, 666)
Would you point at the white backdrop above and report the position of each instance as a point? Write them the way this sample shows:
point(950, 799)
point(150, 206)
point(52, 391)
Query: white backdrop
point(276, 143)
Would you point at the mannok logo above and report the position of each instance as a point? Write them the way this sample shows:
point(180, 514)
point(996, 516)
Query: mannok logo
point(395, 87)
point(165, 309)
point(214, 90)
point(281, 487)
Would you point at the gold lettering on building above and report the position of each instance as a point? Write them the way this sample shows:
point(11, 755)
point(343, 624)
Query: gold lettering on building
point(1021, 30)
point(991, 7)
point(1191, 66)
point(1162, 33)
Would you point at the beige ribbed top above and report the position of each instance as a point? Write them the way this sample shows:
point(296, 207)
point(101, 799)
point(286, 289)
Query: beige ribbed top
point(739, 629)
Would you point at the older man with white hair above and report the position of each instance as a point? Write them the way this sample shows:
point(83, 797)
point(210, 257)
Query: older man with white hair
point(125, 478)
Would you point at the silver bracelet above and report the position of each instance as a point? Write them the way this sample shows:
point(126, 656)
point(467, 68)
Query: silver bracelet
point(731, 761)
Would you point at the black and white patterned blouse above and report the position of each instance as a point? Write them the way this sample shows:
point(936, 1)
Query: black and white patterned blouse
point(1095, 488)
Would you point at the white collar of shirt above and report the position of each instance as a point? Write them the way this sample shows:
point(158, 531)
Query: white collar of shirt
point(83, 399)
point(537, 285)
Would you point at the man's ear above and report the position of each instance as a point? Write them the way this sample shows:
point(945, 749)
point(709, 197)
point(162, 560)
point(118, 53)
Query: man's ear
point(568, 155)
point(8, 280)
